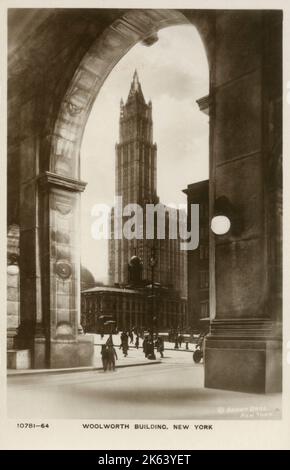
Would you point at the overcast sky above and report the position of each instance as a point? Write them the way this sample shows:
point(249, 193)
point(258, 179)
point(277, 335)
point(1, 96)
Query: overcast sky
point(173, 73)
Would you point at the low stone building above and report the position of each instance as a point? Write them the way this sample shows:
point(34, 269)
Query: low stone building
point(132, 308)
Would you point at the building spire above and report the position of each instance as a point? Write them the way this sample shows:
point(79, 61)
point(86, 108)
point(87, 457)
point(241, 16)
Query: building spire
point(135, 87)
point(135, 83)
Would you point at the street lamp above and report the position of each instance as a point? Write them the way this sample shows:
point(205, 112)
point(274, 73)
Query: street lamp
point(153, 262)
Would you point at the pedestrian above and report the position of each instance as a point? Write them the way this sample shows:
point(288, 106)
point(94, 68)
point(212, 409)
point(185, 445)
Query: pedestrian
point(131, 336)
point(124, 344)
point(150, 348)
point(137, 342)
point(121, 338)
point(144, 345)
point(176, 341)
point(112, 356)
point(104, 354)
point(160, 345)
point(125, 348)
point(109, 341)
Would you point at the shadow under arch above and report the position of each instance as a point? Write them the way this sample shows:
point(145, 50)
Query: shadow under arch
point(106, 51)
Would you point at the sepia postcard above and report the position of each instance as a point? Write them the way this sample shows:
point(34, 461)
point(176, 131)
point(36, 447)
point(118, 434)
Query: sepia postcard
point(144, 225)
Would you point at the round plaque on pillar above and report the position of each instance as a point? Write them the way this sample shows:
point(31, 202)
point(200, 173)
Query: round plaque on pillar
point(63, 269)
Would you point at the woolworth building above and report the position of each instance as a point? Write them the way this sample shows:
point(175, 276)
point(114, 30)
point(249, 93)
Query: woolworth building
point(136, 183)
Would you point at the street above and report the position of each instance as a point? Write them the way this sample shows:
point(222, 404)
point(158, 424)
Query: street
point(170, 389)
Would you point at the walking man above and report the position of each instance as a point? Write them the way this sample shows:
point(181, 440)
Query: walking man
point(105, 357)
point(160, 345)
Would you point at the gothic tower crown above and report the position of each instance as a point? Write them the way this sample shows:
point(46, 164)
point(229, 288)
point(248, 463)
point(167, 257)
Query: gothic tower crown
point(135, 90)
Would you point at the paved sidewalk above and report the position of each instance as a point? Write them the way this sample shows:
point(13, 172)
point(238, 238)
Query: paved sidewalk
point(135, 358)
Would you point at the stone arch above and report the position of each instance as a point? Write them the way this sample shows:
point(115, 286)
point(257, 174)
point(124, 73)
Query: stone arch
point(50, 278)
point(118, 38)
point(47, 118)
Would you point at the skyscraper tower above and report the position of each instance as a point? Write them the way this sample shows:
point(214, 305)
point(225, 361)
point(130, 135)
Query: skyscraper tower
point(136, 152)
point(136, 183)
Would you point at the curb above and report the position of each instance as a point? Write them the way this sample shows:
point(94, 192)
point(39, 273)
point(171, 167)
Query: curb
point(74, 369)
point(179, 350)
point(165, 349)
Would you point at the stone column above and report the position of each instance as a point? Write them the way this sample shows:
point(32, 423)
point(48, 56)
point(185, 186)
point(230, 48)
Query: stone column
point(59, 198)
point(243, 349)
point(50, 273)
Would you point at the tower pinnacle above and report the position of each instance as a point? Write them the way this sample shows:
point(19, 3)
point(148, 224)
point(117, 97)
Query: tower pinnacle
point(135, 83)
point(136, 89)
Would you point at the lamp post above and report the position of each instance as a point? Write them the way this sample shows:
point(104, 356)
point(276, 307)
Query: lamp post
point(152, 264)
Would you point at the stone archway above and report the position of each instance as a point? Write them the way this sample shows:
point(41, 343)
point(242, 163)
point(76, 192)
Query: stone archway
point(50, 106)
point(50, 321)
point(134, 26)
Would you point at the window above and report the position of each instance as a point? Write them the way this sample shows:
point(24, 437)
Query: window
point(204, 309)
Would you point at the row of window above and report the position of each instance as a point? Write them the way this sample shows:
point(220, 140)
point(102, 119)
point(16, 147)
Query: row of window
point(125, 322)
point(92, 304)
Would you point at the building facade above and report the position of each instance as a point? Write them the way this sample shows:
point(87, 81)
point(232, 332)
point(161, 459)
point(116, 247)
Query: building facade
point(130, 308)
point(198, 260)
point(136, 183)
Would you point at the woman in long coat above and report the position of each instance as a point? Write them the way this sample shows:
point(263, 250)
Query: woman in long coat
point(124, 344)
point(112, 355)
point(105, 356)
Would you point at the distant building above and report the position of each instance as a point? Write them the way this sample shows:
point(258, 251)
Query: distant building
point(138, 305)
point(136, 182)
point(131, 308)
point(198, 260)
